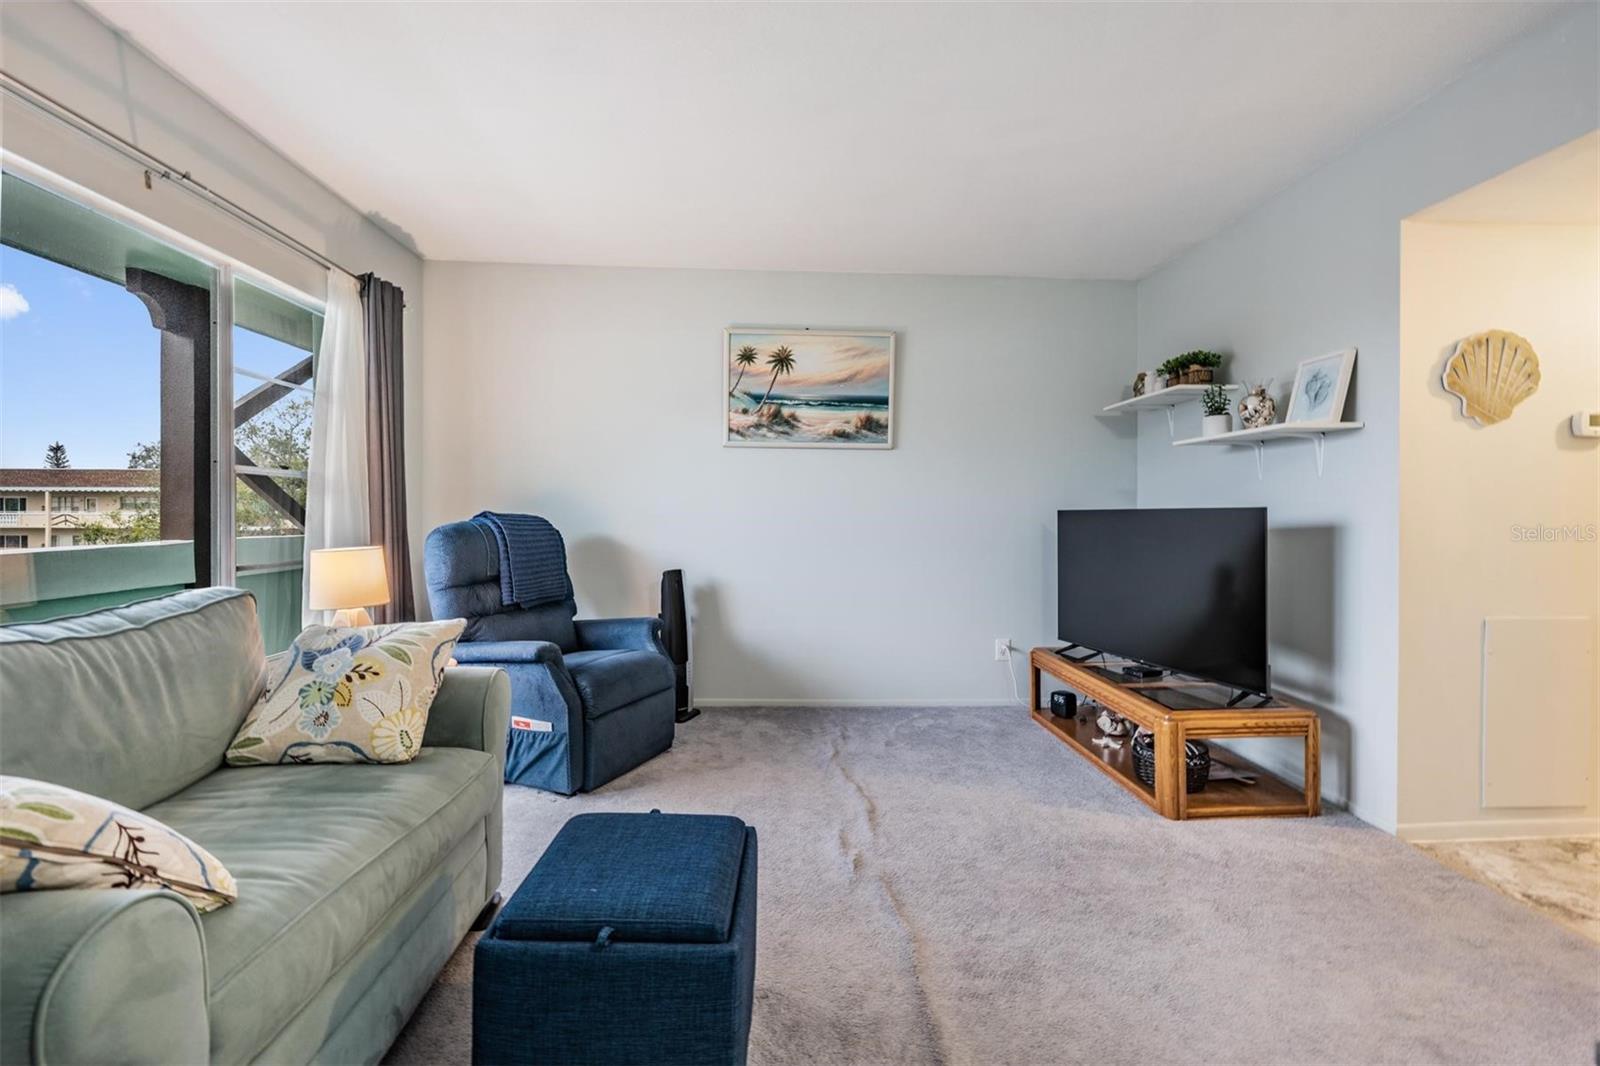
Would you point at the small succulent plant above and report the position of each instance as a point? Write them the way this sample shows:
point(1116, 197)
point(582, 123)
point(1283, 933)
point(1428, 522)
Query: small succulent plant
point(1214, 401)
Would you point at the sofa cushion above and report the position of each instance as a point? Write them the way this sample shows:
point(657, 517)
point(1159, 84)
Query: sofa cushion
point(57, 837)
point(144, 697)
point(658, 878)
point(322, 854)
point(348, 694)
point(606, 680)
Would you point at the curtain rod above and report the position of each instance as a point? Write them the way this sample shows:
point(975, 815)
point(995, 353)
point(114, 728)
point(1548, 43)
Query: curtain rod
point(155, 166)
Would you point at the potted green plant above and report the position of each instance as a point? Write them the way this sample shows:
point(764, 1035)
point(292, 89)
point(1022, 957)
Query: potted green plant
point(1217, 420)
point(1192, 368)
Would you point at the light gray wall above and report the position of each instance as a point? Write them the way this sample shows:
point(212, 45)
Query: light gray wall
point(1318, 269)
point(595, 397)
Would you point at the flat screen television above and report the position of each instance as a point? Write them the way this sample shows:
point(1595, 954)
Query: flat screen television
point(1181, 588)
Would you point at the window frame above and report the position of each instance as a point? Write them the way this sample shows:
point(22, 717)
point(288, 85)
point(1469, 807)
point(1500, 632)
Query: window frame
point(225, 269)
point(225, 486)
point(307, 388)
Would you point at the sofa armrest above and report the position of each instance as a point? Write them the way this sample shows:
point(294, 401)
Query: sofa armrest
point(102, 975)
point(471, 710)
point(620, 634)
point(494, 652)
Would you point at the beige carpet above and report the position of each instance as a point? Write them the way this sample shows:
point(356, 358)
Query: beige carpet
point(955, 886)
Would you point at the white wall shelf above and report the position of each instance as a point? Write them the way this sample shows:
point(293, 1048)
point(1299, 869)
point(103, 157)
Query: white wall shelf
point(1169, 398)
point(1315, 432)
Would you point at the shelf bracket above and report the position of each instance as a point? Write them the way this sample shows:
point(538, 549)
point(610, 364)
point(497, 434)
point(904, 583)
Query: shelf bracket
point(1320, 442)
point(1172, 434)
point(1260, 449)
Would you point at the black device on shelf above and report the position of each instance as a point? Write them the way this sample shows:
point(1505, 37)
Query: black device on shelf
point(1179, 588)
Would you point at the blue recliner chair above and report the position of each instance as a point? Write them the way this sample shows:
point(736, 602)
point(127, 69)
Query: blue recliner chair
point(590, 698)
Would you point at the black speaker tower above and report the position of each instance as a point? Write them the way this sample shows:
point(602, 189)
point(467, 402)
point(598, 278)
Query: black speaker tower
point(675, 634)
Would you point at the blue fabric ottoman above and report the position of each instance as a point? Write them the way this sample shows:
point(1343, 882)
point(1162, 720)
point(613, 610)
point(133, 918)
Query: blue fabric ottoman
point(632, 941)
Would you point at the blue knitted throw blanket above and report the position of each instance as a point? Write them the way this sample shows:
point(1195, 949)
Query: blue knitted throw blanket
point(533, 558)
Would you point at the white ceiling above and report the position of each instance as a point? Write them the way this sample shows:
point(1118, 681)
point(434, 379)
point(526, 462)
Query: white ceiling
point(1071, 140)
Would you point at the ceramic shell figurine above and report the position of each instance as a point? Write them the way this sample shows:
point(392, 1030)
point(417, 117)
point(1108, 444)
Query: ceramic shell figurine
point(1256, 408)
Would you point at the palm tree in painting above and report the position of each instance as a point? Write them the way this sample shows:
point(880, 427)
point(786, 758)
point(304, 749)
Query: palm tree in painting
point(746, 359)
point(782, 362)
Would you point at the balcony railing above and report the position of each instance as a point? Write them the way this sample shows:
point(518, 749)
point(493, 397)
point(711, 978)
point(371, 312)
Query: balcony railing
point(271, 568)
point(40, 583)
point(73, 519)
point(43, 583)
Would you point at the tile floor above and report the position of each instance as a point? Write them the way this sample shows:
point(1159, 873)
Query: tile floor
point(1559, 878)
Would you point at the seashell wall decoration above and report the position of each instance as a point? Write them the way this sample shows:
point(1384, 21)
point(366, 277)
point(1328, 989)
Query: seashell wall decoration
point(1491, 373)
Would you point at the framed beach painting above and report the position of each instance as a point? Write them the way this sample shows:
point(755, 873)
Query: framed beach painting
point(808, 388)
point(1320, 386)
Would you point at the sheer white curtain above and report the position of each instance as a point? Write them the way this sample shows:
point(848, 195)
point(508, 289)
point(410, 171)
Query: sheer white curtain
point(336, 482)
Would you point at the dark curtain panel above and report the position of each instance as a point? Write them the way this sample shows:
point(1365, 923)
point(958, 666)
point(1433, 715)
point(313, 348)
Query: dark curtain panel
point(382, 306)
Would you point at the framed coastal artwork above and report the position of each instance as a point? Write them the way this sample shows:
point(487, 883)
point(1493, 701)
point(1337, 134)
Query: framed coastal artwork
point(1320, 386)
point(807, 388)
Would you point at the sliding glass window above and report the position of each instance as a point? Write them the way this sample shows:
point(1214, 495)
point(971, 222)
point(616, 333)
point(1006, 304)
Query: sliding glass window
point(106, 358)
point(143, 449)
point(274, 344)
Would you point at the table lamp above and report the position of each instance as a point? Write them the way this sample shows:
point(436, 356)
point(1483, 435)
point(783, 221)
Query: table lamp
point(347, 581)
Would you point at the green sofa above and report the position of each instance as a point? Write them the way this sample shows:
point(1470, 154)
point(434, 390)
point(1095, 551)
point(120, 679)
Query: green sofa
point(355, 882)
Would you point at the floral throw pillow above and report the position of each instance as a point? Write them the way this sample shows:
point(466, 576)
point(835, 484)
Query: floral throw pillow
point(348, 695)
point(55, 837)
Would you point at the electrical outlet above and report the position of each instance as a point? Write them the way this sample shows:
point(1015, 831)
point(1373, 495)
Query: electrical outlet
point(1002, 649)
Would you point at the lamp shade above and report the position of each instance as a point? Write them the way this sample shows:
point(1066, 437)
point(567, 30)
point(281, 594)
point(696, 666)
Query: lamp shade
point(348, 577)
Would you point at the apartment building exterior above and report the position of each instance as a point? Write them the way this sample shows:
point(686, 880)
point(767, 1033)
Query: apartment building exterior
point(49, 508)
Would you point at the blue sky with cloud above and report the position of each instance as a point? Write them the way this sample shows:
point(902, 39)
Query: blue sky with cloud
point(80, 363)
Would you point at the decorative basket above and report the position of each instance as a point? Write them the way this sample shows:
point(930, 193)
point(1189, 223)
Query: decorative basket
point(1196, 755)
point(1192, 375)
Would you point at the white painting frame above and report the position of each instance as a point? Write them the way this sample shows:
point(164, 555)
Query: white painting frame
point(1321, 385)
point(830, 416)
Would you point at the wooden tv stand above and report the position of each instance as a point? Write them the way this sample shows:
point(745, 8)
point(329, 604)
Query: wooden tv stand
point(1193, 710)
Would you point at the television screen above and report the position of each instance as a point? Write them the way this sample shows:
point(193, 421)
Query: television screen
point(1183, 588)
